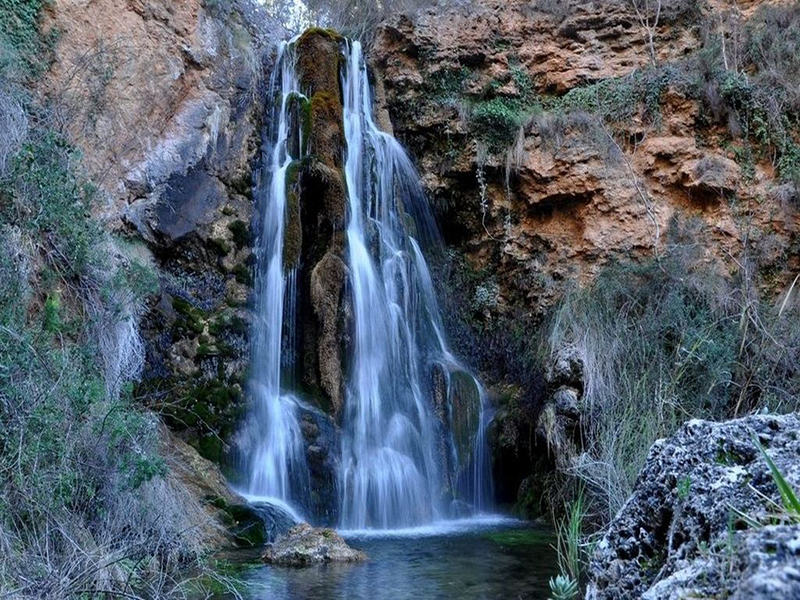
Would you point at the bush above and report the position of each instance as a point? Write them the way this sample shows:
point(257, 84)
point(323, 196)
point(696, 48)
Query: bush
point(497, 121)
point(87, 507)
point(24, 51)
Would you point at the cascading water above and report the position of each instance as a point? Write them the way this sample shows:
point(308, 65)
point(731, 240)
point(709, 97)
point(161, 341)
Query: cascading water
point(413, 428)
point(277, 464)
point(395, 469)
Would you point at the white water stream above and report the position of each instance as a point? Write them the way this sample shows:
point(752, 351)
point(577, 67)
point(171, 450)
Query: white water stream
point(411, 451)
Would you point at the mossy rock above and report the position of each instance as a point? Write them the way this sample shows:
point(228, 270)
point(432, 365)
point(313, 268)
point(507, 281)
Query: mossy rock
point(242, 274)
point(293, 234)
point(190, 319)
point(242, 237)
point(330, 34)
point(219, 246)
point(326, 140)
point(530, 502)
point(319, 59)
point(326, 184)
point(299, 107)
point(465, 405)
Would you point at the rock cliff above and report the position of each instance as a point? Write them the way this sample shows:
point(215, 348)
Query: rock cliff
point(166, 102)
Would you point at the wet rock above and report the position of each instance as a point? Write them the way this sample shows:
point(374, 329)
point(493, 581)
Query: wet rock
point(327, 284)
point(304, 545)
point(322, 453)
point(700, 522)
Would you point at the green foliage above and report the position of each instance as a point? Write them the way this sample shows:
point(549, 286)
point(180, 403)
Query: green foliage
point(570, 538)
point(448, 85)
point(24, 51)
point(52, 317)
point(684, 488)
point(563, 588)
point(497, 121)
point(47, 198)
point(662, 341)
point(791, 503)
point(241, 234)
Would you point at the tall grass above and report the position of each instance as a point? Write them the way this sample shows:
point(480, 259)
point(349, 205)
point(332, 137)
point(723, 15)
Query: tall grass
point(662, 342)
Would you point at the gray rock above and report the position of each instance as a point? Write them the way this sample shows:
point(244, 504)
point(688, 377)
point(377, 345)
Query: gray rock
point(304, 545)
point(682, 533)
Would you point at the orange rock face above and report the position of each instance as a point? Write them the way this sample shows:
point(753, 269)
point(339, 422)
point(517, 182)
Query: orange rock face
point(575, 198)
point(144, 87)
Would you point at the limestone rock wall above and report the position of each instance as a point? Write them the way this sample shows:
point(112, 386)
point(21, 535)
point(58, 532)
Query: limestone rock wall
point(570, 203)
point(165, 100)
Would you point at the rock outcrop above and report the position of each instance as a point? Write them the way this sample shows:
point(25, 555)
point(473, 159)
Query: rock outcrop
point(323, 199)
point(705, 518)
point(304, 546)
point(166, 102)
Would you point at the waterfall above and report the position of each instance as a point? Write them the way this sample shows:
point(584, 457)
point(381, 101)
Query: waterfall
point(413, 445)
point(277, 469)
point(397, 452)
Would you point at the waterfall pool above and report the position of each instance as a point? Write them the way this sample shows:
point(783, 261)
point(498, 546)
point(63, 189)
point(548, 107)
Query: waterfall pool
point(487, 558)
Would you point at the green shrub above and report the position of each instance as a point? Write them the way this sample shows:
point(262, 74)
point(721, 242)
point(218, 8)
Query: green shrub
point(663, 341)
point(497, 120)
point(24, 51)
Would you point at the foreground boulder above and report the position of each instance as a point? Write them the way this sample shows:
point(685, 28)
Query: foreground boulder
point(304, 545)
point(700, 523)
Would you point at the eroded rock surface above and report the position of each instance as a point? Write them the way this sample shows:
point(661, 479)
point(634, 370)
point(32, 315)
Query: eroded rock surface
point(573, 200)
point(304, 546)
point(688, 530)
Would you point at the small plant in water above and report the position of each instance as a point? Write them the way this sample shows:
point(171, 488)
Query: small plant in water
point(563, 587)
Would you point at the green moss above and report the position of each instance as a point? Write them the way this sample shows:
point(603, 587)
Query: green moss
point(219, 246)
point(320, 31)
point(190, 318)
point(325, 101)
point(301, 106)
point(241, 234)
point(326, 110)
point(293, 235)
point(242, 274)
point(497, 121)
point(242, 185)
point(210, 447)
point(466, 406)
point(228, 324)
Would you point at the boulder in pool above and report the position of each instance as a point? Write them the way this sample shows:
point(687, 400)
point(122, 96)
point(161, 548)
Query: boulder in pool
point(305, 545)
